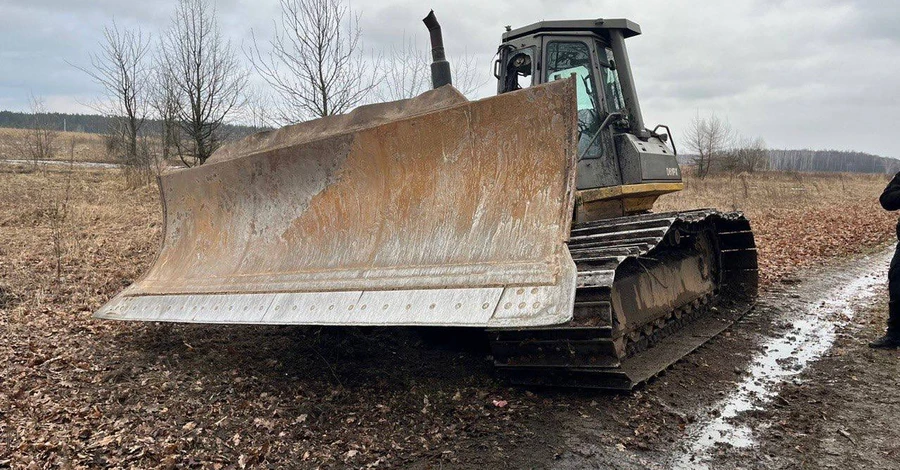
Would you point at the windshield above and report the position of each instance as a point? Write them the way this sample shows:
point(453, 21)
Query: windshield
point(585, 90)
point(565, 59)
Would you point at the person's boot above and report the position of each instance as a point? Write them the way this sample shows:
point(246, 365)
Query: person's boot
point(891, 339)
point(887, 341)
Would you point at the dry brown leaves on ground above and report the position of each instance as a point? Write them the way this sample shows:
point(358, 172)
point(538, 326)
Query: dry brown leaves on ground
point(798, 220)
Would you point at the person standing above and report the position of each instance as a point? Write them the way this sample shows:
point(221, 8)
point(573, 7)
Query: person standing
point(890, 200)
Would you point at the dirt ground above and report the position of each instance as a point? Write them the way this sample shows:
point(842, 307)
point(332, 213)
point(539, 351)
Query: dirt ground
point(845, 412)
point(81, 393)
point(841, 412)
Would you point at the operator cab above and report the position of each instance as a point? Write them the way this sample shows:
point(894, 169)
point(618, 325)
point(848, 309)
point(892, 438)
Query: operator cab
point(622, 167)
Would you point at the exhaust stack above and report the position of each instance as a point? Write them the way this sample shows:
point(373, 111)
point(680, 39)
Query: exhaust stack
point(440, 68)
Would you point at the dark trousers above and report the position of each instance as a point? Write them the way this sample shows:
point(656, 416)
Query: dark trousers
point(894, 291)
point(894, 276)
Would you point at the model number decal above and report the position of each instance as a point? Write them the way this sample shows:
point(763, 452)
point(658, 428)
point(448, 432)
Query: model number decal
point(672, 171)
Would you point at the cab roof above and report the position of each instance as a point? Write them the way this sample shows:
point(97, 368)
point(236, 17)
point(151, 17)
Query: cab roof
point(629, 28)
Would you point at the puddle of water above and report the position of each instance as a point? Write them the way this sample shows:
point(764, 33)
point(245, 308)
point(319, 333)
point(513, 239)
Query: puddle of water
point(812, 335)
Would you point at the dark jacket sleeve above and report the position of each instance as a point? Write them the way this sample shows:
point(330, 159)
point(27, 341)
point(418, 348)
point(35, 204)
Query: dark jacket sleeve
point(890, 198)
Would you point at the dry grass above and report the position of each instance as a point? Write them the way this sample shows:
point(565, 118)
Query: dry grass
point(88, 147)
point(798, 219)
point(105, 239)
point(108, 232)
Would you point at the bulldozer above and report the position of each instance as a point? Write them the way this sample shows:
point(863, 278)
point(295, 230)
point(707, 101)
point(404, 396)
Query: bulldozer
point(527, 215)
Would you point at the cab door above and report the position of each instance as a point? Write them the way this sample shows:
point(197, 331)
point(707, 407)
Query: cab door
point(564, 56)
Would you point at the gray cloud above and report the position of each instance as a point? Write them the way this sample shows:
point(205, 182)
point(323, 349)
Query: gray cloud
point(799, 73)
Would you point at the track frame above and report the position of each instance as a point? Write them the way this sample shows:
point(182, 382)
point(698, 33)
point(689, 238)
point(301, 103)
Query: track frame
point(597, 349)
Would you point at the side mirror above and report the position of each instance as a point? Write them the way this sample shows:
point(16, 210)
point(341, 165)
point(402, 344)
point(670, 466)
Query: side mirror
point(612, 64)
point(497, 69)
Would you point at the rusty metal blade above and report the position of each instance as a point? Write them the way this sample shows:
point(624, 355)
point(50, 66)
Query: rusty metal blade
point(429, 211)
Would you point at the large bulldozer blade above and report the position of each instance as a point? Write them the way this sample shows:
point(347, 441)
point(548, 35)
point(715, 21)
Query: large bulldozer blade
point(429, 211)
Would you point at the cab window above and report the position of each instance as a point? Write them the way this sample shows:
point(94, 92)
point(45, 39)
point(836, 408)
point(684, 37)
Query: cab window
point(519, 69)
point(565, 59)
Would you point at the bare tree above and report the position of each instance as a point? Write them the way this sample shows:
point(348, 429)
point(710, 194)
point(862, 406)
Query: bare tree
point(408, 72)
point(466, 78)
point(58, 210)
point(258, 109)
point(121, 67)
point(749, 155)
point(709, 138)
point(208, 78)
point(166, 104)
point(315, 60)
point(40, 137)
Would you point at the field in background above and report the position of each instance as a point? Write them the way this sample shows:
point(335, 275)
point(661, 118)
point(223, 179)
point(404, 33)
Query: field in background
point(798, 218)
point(81, 393)
point(88, 147)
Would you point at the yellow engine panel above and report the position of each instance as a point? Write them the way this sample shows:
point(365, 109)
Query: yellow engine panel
point(618, 201)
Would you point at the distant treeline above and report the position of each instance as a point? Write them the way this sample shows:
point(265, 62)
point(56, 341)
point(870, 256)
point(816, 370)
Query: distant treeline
point(97, 124)
point(821, 161)
point(831, 161)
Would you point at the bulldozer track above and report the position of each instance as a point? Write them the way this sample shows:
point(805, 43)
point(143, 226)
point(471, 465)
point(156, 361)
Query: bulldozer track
point(595, 350)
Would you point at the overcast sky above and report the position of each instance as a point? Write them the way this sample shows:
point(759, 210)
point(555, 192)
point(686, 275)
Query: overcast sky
point(801, 74)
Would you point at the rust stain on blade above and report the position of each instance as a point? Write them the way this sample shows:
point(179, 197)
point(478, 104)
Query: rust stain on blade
point(448, 194)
